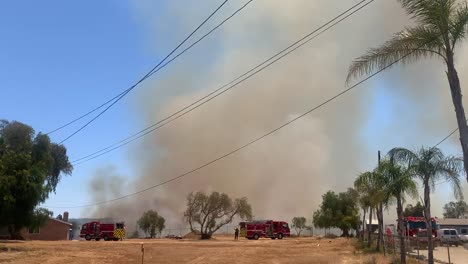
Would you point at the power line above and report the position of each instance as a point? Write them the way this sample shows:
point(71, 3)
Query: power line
point(442, 141)
point(255, 140)
point(447, 137)
point(146, 76)
point(157, 70)
point(245, 76)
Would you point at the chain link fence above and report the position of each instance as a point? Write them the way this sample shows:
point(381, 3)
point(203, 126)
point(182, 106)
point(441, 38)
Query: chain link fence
point(417, 247)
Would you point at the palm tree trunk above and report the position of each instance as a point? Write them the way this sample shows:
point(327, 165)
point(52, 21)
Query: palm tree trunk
point(380, 222)
point(369, 229)
point(455, 90)
point(401, 230)
point(381, 228)
point(427, 215)
point(363, 224)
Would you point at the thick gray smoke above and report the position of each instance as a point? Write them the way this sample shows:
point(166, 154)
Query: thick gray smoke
point(285, 174)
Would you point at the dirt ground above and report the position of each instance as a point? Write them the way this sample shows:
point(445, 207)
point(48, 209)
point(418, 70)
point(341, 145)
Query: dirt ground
point(221, 249)
point(458, 255)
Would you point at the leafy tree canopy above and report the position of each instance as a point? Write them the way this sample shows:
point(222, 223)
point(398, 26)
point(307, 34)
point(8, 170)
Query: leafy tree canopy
point(211, 212)
point(456, 209)
point(151, 223)
point(338, 210)
point(299, 224)
point(30, 168)
point(417, 210)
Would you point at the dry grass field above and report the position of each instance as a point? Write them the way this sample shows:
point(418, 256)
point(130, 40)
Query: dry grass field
point(221, 249)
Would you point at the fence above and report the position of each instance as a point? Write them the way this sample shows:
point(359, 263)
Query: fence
point(416, 247)
point(229, 230)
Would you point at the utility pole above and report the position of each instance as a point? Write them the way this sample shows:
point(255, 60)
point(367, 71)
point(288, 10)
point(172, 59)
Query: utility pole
point(380, 212)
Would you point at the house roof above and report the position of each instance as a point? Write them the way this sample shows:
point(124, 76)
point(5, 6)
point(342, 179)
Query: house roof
point(60, 221)
point(452, 221)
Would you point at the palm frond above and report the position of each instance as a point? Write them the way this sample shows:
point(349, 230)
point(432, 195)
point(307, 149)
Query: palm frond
point(397, 181)
point(451, 168)
point(459, 24)
point(403, 155)
point(405, 47)
point(429, 12)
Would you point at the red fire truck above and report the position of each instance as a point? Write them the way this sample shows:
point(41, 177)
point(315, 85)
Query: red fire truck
point(264, 228)
point(415, 224)
point(106, 231)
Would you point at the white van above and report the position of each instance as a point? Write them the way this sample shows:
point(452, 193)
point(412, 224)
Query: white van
point(448, 237)
point(464, 235)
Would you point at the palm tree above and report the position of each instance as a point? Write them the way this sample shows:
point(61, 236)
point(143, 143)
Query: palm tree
point(397, 183)
point(369, 184)
point(440, 26)
point(431, 165)
point(365, 203)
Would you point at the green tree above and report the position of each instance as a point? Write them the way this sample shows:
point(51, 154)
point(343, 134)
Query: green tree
point(338, 210)
point(30, 165)
point(151, 223)
point(439, 26)
point(369, 185)
point(431, 165)
point(456, 209)
point(39, 218)
point(417, 210)
point(211, 212)
point(397, 183)
point(299, 224)
point(365, 203)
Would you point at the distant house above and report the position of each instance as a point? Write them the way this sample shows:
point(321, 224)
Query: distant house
point(53, 229)
point(374, 225)
point(461, 225)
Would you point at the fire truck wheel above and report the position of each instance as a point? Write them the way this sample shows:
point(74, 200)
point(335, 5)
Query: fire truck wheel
point(280, 236)
point(88, 237)
point(256, 237)
point(106, 238)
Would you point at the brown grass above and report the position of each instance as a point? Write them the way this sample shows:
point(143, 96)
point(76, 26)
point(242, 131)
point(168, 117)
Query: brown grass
point(222, 249)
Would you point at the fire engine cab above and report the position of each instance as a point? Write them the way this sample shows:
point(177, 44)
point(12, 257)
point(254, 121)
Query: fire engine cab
point(264, 228)
point(413, 225)
point(106, 231)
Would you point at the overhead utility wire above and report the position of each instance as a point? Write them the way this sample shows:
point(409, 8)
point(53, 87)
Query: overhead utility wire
point(447, 137)
point(146, 76)
point(229, 85)
point(442, 141)
point(257, 139)
point(160, 67)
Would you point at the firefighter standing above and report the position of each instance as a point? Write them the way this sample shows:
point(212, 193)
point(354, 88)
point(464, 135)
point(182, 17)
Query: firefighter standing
point(236, 233)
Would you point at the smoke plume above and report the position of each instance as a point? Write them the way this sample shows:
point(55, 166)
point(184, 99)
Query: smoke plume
point(285, 174)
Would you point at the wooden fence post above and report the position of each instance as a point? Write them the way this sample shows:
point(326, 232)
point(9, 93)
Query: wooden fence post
point(142, 253)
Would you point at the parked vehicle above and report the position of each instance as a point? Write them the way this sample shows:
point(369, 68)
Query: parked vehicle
point(448, 237)
point(106, 231)
point(422, 240)
point(264, 228)
point(414, 224)
point(463, 238)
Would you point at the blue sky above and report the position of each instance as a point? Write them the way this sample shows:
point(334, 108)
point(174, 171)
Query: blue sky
point(60, 59)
